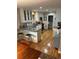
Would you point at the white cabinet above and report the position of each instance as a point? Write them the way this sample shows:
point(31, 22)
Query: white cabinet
point(22, 16)
point(35, 35)
point(56, 37)
point(25, 15)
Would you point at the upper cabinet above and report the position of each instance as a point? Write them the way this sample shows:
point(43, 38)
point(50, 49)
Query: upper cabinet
point(25, 15)
point(22, 15)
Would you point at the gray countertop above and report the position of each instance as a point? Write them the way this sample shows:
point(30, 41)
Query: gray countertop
point(31, 28)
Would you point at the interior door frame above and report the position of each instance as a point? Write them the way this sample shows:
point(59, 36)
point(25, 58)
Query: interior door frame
point(53, 14)
point(50, 21)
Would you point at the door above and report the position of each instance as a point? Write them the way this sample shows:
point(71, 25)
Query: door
point(50, 22)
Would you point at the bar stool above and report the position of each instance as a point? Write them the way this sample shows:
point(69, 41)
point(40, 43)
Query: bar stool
point(20, 36)
point(29, 36)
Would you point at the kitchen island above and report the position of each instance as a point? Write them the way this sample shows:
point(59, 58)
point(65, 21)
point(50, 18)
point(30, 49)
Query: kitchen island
point(34, 33)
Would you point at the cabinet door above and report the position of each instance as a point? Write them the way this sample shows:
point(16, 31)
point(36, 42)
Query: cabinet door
point(25, 15)
point(22, 15)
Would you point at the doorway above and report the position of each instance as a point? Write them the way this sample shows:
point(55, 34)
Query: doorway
point(50, 21)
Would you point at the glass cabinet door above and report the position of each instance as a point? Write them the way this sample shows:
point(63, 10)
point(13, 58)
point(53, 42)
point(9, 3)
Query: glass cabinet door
point(27, 15)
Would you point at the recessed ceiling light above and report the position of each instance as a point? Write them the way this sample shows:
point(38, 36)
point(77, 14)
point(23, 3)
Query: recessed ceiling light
point(41, 7)
point(39, 58)
point(48, 44)
point(45, 50)
point(33, 13)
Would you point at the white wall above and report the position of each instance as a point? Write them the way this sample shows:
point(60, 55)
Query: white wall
point(58, 16)
point(53, 14)
point(56, 19)
point(18, 18)
point(41, 15)
point(36, 16)
point(22, 15)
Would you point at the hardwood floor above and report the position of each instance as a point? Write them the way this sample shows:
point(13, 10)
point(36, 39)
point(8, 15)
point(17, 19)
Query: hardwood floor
point(25, 52)
point(46, 38)
point(20, 50)
point(35, 50)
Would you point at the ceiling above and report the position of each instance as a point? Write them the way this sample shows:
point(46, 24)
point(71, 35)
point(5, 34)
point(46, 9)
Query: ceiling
point(35, 4)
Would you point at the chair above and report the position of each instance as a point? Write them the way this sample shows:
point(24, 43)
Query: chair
point(29, 37)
